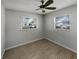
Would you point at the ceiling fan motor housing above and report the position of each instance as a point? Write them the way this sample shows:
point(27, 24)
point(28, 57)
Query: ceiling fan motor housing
point(43, 11)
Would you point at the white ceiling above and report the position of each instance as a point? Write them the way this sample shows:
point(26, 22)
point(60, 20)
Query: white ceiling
point(31, 5)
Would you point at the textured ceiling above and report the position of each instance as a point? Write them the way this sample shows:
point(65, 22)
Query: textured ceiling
point(31, 5)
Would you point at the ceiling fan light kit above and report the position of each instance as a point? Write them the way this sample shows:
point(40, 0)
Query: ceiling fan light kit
point(44, 6)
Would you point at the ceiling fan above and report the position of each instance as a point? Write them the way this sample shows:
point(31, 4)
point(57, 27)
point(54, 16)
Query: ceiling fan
point(44, 6)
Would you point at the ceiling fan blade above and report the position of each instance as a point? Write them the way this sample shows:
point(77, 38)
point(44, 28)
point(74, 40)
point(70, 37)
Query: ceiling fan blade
point(48, 3)
point(42, 1)
point(41, 6)
point(51, 8)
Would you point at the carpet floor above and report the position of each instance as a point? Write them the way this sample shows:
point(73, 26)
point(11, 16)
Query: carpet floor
point(41, 49)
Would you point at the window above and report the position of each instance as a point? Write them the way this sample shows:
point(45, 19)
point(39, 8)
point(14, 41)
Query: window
point(62, 22)
point(28, 22)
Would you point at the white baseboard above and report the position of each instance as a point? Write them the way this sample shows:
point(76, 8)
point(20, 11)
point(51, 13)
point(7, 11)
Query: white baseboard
point(39, 39)
point(2, 54)
point(22, 44)
point(62, 45)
